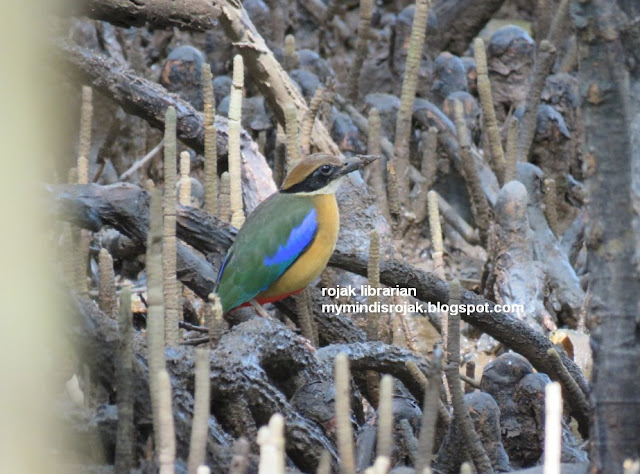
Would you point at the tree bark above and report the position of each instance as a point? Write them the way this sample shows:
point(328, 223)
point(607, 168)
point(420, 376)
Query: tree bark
point(185, 14)
point(608, 35)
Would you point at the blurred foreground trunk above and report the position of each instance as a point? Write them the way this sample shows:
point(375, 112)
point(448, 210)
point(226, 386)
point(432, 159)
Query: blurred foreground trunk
point(608, 49)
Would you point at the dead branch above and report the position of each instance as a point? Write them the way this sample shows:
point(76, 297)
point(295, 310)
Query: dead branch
point(185, 14)
point(362, 123)
point(149, 101)
point(456, 221)
point(125, 207)
point(141, 162)
point(136, 95)
point(278, 90)
point(272, 81)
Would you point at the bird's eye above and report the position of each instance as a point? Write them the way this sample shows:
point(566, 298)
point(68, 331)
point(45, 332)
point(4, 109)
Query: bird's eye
point(325, 170)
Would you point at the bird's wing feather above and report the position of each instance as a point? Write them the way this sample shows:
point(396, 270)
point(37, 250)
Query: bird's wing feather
point(269, 242)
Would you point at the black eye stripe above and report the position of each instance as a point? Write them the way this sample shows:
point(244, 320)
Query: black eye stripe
point(322, 176)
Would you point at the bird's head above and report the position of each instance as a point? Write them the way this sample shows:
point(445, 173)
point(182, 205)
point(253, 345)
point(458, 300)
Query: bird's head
point(321, 173)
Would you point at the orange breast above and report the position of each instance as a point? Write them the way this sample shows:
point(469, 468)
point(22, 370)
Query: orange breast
point(311, 263)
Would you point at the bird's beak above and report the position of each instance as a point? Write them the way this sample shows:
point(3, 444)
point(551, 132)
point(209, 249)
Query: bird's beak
point(357, 162)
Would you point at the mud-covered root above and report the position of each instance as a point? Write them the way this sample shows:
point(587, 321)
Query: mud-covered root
point(485, 413)
point(516, 278)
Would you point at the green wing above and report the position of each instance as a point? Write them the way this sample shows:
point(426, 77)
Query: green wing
point(277, 232)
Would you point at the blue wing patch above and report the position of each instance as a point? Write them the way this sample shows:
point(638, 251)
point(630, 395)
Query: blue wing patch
point(299, 239)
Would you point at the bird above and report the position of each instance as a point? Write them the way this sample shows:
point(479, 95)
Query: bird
point(287, 240)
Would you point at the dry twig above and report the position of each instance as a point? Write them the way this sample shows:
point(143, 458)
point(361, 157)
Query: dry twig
point(142, 161)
